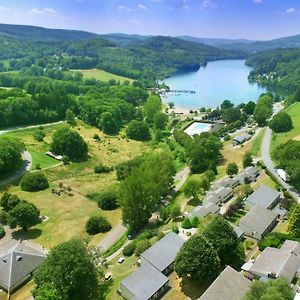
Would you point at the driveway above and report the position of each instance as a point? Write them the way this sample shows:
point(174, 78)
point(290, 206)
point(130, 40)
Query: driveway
point(26, 166)
point(181, 177)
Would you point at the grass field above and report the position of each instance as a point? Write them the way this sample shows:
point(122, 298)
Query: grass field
point(68, 214)
point(102, 75)
point(279, 138)
point(256, 145)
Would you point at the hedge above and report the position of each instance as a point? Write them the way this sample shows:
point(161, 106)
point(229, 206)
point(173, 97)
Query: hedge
point(2, 232)
point(275, 239)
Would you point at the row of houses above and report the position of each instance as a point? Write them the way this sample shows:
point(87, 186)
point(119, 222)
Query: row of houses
point(270, 264)
point(222, 191)
point(150, 280)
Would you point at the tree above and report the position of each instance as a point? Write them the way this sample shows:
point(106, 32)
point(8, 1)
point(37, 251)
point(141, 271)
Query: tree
point(278, 289)
point(107, 200)
point(231, 115)
point(141, 246)
point(282, 122)
point(160, 120)
point(71, 272)
point(294, 222)
point(223, 239)
point(152, 106)
point(138, 130)
point(109, 124)
point(247, 160)
point(24, 214)
point(97, 224)
point(47, 292)
point(186, 224)
point(198, 260)
point(192, 188)
point(32, 182)
point(9, 201)
point(249, 108)
point(70, 117)
point(226, 104)
point(175, 211)
point(70, 143)
point(263, 110)
point(232, 169)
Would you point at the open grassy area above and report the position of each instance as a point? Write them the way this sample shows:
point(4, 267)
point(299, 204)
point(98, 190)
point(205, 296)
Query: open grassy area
point(102, 75)
point(279, 138)
point(257, 142)
point(68, 214)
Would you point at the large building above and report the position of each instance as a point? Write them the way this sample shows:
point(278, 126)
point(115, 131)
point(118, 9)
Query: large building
point(202, 211)
point(17, 265)
point(274, 262)
point(230, 285)
point(258, 222)
point(248, 175)
point(263, 196)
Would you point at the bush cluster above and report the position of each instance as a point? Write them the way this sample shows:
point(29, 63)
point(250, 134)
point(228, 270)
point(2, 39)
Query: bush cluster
point(97, 224)
point(102, 169)
point(2, 232)
point(33, 182)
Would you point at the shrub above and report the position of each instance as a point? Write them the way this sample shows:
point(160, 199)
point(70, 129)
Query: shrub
point(96, 137)
point(65, 159)
point(141, 246)
point(249, 244)
point(195, 222)
point(227, 138)
point(102, 169)
point(129, 249)
point(146, 235)
point(97, 224)
point(33, 182)
point(175, 211)
point(3, 217)
point(39, 135)
point(2, 232)
point(175, 229)
point(107, 200)
point(186, 224)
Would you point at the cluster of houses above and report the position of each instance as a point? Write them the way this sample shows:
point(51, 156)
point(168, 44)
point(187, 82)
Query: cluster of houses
point(150, 280)
point(222, 191)
point(18, 263)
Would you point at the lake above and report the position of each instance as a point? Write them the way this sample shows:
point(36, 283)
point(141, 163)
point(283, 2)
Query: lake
point(219, 80)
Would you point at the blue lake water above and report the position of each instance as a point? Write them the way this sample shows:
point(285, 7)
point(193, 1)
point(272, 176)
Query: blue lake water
point(218, 81)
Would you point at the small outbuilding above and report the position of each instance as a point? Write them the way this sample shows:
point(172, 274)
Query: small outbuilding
point(230, 285)
point(241, 139)
point(258, 222)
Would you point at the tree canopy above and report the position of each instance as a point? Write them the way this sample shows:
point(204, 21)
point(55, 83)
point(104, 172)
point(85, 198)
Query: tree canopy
point(138, 130)
point(282, 122)
point(294, 222)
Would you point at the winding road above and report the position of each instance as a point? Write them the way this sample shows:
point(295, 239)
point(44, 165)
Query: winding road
point(266, 157)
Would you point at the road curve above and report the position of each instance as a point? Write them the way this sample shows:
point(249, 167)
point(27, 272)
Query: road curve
point(26, 166)
point(266, 157)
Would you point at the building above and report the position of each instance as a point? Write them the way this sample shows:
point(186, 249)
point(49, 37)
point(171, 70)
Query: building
point(144, 284)
point(163, 253)
point(263, 196)
point(241, 139)
point(230, 285)
point(274, 262)
point(258, 222)
point(202, 211)
point(239, 232)
point(248, 175)
point(221, 194)
point(230, 182)
point(17, 265)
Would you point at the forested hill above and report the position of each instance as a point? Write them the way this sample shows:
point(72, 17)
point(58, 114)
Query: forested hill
point(33, 33)
point(278, 69)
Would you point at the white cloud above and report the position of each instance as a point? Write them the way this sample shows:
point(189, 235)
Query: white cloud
point(123, 8)
point(258, 1)
point(291, 10)
point(44, 11)
point(209, 4)
point(142, 7)
point(3, 9)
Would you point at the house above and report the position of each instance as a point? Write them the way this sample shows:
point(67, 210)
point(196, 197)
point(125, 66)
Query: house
point(227, 182)
point(263, 196)
point(258, 222)
point(248, 175)
point(221, 194)
point(162, 254)
point(145, 283)
point(202, 211)
point(230, 285)
point(241, 139)
point(17, 265)
point(274, 262)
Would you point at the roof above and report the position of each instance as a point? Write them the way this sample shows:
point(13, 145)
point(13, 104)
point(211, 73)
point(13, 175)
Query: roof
point(264, 196)
point(249, 172)
point(211, 198)
point(258, 219)
point(202, 211)
point(226, 182)
point(17, 263)
point(242, 138)
point(280, 262)
point(239, 232)
point(230, 285)
point(163, 252)
point(144, 282)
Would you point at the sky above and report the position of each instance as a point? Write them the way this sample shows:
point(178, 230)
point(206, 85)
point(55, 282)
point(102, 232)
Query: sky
point(251, 19)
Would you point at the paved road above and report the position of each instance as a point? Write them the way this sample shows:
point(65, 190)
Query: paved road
point(28, 127)
point(266, 157)
point(181, 177)
point(26, 166)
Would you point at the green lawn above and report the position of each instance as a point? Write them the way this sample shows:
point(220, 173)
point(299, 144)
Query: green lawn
point(102, 75)
point(256, 145)
point(279, 138)
point(42, 160)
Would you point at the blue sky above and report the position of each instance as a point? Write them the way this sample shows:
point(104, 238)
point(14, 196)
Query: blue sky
point(252, 19)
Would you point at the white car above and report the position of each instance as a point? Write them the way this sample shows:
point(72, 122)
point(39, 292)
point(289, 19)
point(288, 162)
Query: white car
point(121, 260)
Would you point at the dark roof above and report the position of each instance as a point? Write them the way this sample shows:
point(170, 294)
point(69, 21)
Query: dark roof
point(230, 285)
point(144, 282)
point(202, 211)
point(163, 252)
point(264, 196)
point(242, 138)
point(258, 219)
point(17, 263)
